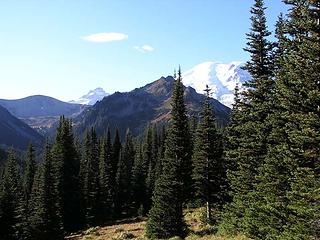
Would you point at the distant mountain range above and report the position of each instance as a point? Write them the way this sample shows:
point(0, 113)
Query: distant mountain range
point(134, 110)
point(91, 97)
point(40, 106)
point(220, 77)
point(138, 108)
point(41, 112)
point(15, 133)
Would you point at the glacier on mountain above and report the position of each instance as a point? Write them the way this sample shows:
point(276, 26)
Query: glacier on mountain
point(220, 77)
point(91, 97)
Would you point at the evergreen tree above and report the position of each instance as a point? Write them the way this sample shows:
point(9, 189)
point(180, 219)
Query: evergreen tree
point(28, 180)
point(208, 168)
point(138, 183)
point(249, 127)
point(124, 174)
point(288, 189)
point(66, 174)
point(150, 159)
point(116, 149)
point(29, 172)
point(106, 196)
point(89, 172)
point(44, 221)
point(11, 201)
point(171, 190)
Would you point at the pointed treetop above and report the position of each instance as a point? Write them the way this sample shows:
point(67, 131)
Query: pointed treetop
point(208, 91)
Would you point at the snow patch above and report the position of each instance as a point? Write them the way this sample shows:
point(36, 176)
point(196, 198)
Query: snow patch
point(91, 97)
point(222, 78)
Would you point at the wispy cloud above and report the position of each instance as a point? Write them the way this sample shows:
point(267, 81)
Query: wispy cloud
point(144, 48)
point(105, 37)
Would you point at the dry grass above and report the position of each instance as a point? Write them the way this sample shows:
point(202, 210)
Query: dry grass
point(134, 229)
point(122, 230)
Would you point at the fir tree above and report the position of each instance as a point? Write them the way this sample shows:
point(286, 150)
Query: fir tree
point(208, 168)
point(28, 180)
point(288, 191)
point(124, 173)
point(116, 149)
point(29, 172)
point(106, 196)
point(166, 217)
point(90, 170)
point(44, 221)
point(249, 127)
point(66, 174)
point(138, 183)
point(11, 201)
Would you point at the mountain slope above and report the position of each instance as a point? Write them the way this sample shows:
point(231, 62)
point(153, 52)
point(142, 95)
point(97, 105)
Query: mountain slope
point(40, 106)
point(15, 133)
point(91, 97)
point(138, 108)
point(220, 77)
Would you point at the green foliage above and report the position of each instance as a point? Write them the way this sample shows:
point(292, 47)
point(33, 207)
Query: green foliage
point(124, 174)
point(106, 183)
point(90, 177)
point(173, 186)
point(246, 138)
point(66, 176)
point(208, 167)
point(45, 223)
point(11, 200)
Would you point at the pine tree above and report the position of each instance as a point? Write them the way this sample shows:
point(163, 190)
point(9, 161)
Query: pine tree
point(208, 168)
point(106, 196)
point(28, 180)
point(124, 174)
point(166, 216)
point(44, 221)
point(116, 149)
point(149, 155)
point(66, 173)
point(29, 172)
point(11, 201)
point(249, 127)
point(90, 170)
point(288, 191)
point(138, 184)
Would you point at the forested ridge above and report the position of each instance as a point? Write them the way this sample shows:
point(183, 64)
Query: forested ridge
point(260, 176)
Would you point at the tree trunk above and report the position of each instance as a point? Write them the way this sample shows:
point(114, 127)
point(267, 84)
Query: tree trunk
point(208, 212)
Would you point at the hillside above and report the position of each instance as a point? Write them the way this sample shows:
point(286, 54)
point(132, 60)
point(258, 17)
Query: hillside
point(134, 229)
point(40, 106)
point(138, 108)
point(16, 133)
point(41, 112)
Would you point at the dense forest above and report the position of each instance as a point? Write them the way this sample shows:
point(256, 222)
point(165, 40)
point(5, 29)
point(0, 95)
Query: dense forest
point(260, 176)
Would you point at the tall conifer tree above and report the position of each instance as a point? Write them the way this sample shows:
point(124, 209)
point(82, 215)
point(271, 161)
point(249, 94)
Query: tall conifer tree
point(208, 168)
point(66, 173)
point(44, 221)
point(90, 170)
point(106, 196)
point(124, 174)
point(166, 217)
point(11, 201)
point(288, 191)
point(248, 151)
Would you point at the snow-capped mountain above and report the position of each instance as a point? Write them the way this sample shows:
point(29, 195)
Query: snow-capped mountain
point(91, 97)
point(220, 77)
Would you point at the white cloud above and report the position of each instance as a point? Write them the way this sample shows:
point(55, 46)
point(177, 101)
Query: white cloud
point(105, 37)
point(144, 48)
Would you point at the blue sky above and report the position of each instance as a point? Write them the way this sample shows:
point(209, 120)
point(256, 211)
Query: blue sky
point(49, 47)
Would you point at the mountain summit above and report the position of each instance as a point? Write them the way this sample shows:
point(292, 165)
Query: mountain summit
point(91, 97)
point(220, 77)
point(142, 106)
